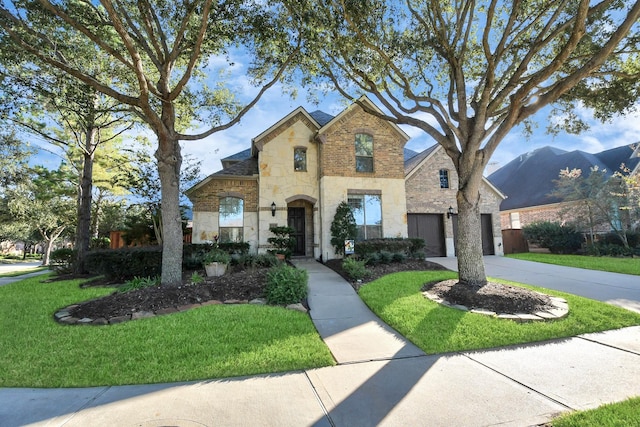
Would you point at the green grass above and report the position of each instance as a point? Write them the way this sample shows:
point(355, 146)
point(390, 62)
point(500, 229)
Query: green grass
point(208, 342)
point(614, 265)
point(437, 329)
point(622, 414)
point(22, 272)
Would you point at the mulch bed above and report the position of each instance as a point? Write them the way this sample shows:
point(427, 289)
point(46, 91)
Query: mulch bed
point(245, 285)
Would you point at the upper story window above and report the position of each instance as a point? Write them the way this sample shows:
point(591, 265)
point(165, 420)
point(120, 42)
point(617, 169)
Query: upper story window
point(300, 159)
point(444, 178)
point(231, 219)
point(364, 152)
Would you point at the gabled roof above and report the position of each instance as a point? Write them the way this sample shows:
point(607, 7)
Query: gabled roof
point(408, 154)
point(529, 178)
point(321, 117)
point(235, 158)
point(365, 100)
point(247, 168)
point(414, 163)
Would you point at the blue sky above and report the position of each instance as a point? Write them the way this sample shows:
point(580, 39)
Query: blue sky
point(276, 105)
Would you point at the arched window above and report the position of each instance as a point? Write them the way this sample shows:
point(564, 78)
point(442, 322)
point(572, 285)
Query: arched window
point(231, 219)
point(444, 178)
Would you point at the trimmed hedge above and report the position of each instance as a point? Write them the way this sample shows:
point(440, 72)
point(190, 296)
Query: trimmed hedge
point(125, 263)
point(559, 239)
point(411, 246)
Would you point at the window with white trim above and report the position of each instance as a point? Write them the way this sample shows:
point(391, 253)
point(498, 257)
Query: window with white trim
point(231, 219)
point(364, 152)
point(367, 211)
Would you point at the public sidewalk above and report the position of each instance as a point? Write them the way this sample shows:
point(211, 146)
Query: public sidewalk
point(10, 268)
point(381, 379)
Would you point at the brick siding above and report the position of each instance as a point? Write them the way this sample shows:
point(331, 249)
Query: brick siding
point(337, 150)
point(206, 199)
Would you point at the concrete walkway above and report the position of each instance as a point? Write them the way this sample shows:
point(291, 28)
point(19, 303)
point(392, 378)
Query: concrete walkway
point(381, 379)
point(23, 266)
point(619, 289)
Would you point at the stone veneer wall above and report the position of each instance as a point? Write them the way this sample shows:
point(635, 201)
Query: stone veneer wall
point(279, 182)
point(394, 209)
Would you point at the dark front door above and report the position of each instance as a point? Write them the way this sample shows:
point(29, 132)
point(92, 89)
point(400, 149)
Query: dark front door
point(296, 221)
point(429, 227)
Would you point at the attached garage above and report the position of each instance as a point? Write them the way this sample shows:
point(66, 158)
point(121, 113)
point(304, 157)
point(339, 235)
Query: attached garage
point(487, 233)
point(429, 227)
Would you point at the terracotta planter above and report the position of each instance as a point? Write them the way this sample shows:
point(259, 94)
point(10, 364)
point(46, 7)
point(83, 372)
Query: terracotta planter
point(281, 257)
point(215, 269)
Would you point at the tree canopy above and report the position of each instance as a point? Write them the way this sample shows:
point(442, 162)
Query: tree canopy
point(467, 71)
point(158, 51)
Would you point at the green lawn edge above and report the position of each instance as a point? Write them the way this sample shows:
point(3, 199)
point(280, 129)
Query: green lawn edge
point(209, 342)
point(625, 413)
point(610, 264)
point(398, 301)
point(23, 272)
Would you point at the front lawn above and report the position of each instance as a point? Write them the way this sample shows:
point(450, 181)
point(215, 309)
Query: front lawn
point(613, 265)
point(397, 300)
point(620, 414)
point(207, 342)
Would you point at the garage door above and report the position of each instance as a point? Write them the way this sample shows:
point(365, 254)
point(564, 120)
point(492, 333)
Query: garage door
point(487, 233)
point(429, 227)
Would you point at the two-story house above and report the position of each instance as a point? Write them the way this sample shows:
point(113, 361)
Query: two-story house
point(297, 172)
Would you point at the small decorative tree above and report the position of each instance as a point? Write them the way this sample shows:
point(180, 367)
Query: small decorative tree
point(283, 242)
point(343, 227)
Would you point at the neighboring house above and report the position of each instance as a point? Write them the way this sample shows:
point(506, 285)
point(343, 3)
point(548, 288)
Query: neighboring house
point(431, 184)
point(528, 181)
point(298, 171)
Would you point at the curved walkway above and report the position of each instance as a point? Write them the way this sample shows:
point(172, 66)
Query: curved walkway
point(381, 379)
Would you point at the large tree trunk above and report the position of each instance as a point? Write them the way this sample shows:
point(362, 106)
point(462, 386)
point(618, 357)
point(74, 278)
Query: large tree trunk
point(469, 239)
point(83, 229)
point(169, 162)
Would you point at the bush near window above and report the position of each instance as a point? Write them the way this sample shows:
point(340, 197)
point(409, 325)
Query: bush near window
point(410, 247)
point(343, 227)
point(286, 285)
point(559, 239)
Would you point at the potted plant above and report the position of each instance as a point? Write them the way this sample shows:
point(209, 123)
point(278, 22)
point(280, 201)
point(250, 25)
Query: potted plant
point(215, 262)
point(282, 241)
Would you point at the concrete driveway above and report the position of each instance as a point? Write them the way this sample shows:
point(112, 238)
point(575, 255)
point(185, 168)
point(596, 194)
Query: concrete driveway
point(619, 289)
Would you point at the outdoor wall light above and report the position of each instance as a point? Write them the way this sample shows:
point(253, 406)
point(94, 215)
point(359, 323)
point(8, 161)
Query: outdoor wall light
point(450, 212)
point(273, 208)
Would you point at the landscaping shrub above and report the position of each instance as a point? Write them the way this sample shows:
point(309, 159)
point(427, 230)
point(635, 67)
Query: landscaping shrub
point(366, 248)
point(286, 285)
point(386, 257)
point(125, 263)
point(398, 257)
point(61, 260)
point(343, 227)
point(139, 283)
point(355, 268)
point(559, 239)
